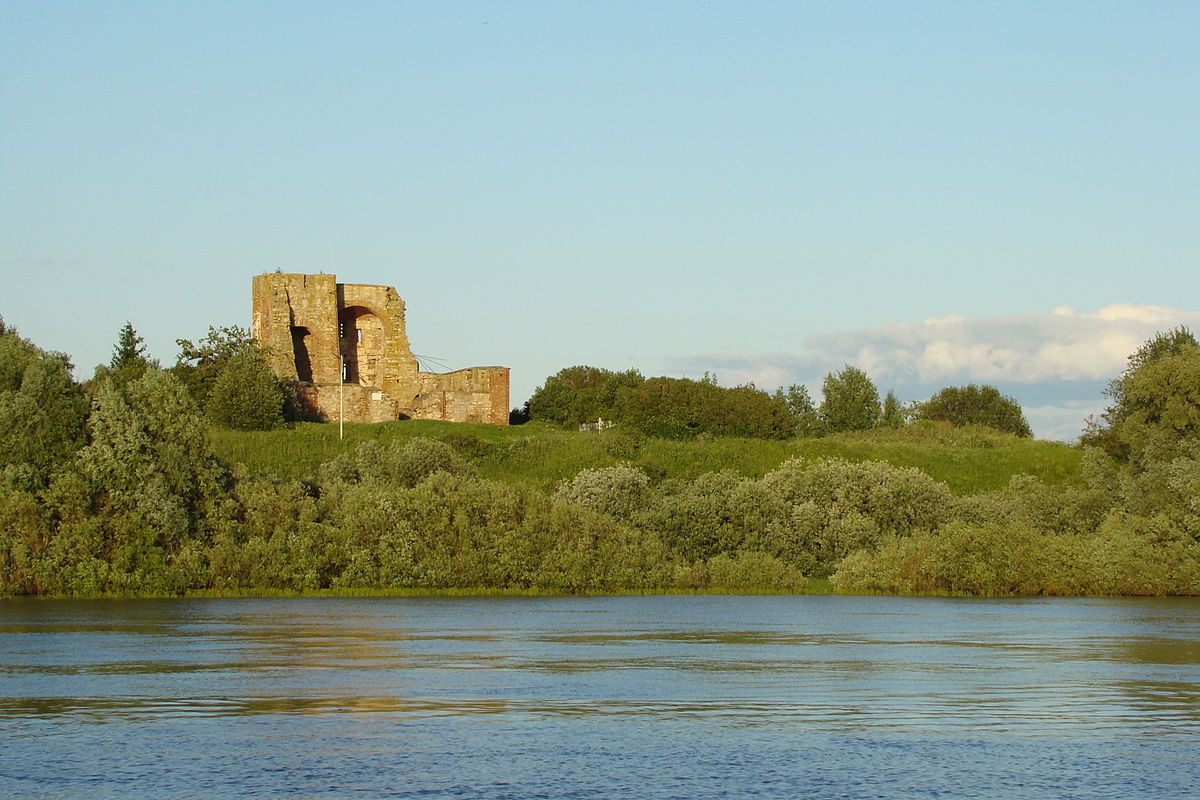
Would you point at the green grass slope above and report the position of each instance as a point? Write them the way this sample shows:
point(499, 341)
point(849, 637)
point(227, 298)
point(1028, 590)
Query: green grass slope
point(968, 460)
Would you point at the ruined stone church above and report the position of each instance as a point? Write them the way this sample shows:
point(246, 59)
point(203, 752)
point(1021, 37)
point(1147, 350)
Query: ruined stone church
point(345, 346)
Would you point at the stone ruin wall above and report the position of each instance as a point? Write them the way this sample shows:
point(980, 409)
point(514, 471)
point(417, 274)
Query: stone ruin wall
point(311, 325)
point(466, 394)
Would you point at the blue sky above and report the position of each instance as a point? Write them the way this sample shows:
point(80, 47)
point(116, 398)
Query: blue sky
point(938, 192)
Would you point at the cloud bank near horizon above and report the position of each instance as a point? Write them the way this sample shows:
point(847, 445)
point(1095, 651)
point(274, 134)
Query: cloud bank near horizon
point(1055, 363)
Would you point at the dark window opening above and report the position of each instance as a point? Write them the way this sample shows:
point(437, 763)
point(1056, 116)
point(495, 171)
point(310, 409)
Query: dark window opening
point(300, 348)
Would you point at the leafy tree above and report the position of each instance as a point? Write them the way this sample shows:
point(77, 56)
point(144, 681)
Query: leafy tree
point(674, 408)
point(893, 412)
point(1171, 343)
point(42, 411)
point(976, 405)
point(199, 364)
point(247, 395)
point(581, 394)
point(519, 415)
point(1160, 408)
point(680, 408)
point(806, 422)
point(749, 412)
point(150, 480)
point(153, 427)
point(850, 401)
point(1154, 400)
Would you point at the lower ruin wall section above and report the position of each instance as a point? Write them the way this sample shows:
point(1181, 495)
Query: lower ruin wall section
point(476, 394)
point(324, 401)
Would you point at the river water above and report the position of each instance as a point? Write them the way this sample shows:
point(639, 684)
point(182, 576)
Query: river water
point(626, 697)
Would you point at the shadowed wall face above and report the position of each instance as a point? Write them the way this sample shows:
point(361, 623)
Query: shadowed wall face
point(346, 347)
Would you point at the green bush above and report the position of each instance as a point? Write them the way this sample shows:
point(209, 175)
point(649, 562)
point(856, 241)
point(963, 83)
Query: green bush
point(622, 444)
point(718, 512)
point(581, 394)
point(246, 395)
point(976, 405)
point(749, 570)
point(897, 499)
point(986, 560)
point(617, 491)
point(400, 463)
point(466, 444)
point(679, 408)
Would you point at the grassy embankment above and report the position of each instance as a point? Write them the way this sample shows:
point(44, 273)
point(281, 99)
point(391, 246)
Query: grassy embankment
point(539, 456)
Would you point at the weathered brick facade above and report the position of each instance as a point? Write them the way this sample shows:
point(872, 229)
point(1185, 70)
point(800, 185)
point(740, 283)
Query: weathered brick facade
point(345, 345)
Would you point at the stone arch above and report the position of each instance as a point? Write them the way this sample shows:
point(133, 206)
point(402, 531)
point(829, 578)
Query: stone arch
point(364, 335)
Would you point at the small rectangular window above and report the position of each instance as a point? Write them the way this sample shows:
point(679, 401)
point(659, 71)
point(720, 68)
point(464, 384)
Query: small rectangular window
point(358, 333)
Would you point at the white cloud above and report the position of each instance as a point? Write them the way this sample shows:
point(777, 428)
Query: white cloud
point(1150, 315)
point(1061, 345)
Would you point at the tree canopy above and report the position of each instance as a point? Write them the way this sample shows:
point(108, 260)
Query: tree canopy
point(129, 350)
point(247, 395)
point(806, 422)
point(1155, 400)
point(42, 410)
point(976, 405)
point(200, 363)
point(128, 362)
point(581, 394)
point(681, 408)
point(893, 412)
point(851, 401)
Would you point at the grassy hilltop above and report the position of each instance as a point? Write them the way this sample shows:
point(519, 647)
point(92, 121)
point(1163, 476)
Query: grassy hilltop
point(540, 456)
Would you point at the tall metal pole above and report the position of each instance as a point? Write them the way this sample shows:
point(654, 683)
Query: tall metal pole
point(341, 403)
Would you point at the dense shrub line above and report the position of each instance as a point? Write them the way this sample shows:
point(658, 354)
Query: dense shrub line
point(881, 528)
point(118, 490)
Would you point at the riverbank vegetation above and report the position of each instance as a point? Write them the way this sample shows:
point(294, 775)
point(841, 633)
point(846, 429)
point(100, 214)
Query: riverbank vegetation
point(539, 455)
point(124, 485)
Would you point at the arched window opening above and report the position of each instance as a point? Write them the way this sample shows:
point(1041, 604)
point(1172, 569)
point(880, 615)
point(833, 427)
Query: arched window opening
point(363, 342)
